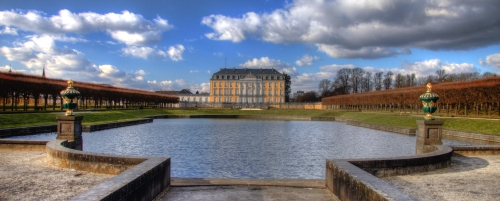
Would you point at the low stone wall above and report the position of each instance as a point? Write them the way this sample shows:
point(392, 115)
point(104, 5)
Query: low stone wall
point(137, 179)
point(8, 132)
point(469, 135)
point(477, 150)
point(103, 126)
point(357, 179)
point(23, 145)
point(394, 129)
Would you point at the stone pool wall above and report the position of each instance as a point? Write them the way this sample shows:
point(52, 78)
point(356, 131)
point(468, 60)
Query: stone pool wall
point(137, 178)
point(358, 179)
point(23, 145)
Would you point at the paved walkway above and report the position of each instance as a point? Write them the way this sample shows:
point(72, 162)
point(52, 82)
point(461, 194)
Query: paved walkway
point(247, 193)
point(27, 176)
point(468, 178)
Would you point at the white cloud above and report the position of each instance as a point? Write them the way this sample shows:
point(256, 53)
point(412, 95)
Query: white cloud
point(429, 67)
point(143, 52)
point(266, 62)
point(491, 60)
point(9, 31)
point(8, 68)
point(306, 60)
point(367, 29)
point(208, 71)
point(175, 52)
point(193, 71)
point(141, 72)
point(126, 27)
point(64, 63)
point(218, 54)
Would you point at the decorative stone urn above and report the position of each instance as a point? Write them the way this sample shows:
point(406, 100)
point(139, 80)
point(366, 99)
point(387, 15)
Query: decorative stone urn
point(429, 100)
point(70, 95)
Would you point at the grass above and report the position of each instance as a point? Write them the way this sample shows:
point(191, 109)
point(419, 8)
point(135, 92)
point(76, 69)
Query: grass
point(487, 126)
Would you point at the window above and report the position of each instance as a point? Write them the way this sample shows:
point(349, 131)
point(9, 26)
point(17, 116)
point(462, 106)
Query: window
point(220, 91)
point(215, 91)
point(236, 84)
point(233, 77)
point(230, 84)
point(220, 84)
point(225, 84)
point(281, 100)
point(272, 77)
point(231, 99)
point(217, 77)
point(223, 77)
point(275, 84)
point(267, 77)
point(281, 92)
point(281, 84)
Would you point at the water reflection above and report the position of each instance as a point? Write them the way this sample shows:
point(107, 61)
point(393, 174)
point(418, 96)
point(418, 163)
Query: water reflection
point(231, 148)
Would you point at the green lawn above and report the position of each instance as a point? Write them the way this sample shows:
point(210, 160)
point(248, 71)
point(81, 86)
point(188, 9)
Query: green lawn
point(488, 126)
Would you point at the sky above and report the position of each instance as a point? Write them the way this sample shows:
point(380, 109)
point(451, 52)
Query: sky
point(173, 45)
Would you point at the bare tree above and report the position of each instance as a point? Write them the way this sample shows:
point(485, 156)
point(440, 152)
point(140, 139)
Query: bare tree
point(377, 81)
point(388, 80)
point(341, 81)
point(367, 82)
point(324, 87)
point(356, 79)
point(441, 75)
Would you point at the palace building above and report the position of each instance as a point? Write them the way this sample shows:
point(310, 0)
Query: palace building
point(243, 85)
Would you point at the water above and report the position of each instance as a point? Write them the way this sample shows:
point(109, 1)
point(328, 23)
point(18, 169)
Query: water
point(232, 148)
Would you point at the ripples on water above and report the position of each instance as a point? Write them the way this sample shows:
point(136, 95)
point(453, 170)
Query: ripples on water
point(232, 148)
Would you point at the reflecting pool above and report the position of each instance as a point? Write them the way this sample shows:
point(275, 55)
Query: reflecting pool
point(235, 148)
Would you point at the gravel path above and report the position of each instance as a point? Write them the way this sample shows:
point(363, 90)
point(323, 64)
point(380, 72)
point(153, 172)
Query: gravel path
point(27, 176)
point(468, 178)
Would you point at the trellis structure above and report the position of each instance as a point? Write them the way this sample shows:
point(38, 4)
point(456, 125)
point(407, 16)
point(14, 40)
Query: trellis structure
point(475, 96)
point(23, 89)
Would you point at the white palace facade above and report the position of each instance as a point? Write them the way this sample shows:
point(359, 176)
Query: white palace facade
point(244, 85)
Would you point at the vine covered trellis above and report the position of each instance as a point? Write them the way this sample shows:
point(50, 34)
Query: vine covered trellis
point(461, 97)
point(24, 89)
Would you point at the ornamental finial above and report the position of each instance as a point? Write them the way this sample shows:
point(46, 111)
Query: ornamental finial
point(70, 83)
point(429, 87)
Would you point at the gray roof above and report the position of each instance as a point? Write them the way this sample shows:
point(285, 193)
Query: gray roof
point(244, 71)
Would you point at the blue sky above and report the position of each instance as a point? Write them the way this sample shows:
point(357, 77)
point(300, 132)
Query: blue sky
point(172, 45)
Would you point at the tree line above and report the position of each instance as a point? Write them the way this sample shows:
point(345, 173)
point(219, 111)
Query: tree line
point(357, 80)
point(19, 88)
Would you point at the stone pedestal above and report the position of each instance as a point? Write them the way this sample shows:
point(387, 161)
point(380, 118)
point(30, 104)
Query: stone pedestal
point(70, 128)
point(429, 133)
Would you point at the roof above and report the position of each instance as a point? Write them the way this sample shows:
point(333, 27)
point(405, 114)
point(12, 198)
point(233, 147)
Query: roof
point(244, 71)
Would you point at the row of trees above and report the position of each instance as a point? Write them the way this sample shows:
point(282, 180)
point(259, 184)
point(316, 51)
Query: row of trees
point(462, 97)
point(19, 88)
point(357, 80)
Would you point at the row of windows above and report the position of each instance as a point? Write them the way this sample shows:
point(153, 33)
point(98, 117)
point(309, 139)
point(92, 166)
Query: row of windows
point(193, 99)
point(248, 84)
point(247, 100)
point(248, 92)
point(233, 77)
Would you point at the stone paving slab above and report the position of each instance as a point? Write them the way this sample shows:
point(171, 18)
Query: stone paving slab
point(468, 178)
point(246, 193)
point(25, 175)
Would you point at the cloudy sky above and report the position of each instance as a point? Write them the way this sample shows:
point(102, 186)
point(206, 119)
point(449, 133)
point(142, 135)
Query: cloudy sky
point(171, 45)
